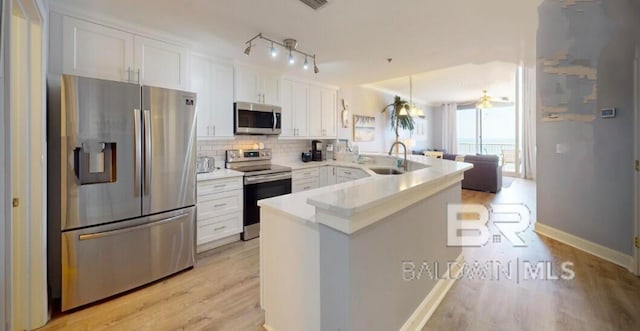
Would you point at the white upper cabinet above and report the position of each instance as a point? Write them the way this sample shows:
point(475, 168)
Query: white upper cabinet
point(308, 111)
point(93, 50)
point(160, 64)
point(258, 87)
point(329, 113)
point(213, 82)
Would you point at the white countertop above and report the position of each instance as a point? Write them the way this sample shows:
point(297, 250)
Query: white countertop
point(218, 174)
point(356, 196)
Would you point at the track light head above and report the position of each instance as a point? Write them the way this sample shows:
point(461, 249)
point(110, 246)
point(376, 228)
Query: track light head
point(306, 64)
point(247, 51)
point(292, 60)
point(274, 51)
point(315, 67)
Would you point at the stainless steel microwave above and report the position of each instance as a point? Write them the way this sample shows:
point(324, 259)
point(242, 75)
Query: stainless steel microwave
point(253, 118)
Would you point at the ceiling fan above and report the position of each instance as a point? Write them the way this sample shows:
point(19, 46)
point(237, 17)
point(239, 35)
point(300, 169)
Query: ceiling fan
point(486, 101)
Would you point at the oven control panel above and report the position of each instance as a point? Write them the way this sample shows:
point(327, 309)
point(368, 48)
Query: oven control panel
point(243, 155)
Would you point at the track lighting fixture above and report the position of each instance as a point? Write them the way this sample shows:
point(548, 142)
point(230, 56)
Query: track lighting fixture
point(287, 44)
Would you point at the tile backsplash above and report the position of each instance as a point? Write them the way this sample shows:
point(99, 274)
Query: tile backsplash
point(282, 149)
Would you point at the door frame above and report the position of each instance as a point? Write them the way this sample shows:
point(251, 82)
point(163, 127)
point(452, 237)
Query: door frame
point(636, 154)
point(5, 273)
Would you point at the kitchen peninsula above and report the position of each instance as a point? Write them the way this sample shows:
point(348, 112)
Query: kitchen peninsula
point(332, 258)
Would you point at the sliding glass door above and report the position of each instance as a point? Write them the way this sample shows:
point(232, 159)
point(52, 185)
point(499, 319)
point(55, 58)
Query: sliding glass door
point(491, 131)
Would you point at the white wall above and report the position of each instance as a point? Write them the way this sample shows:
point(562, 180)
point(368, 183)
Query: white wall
point(368, 102)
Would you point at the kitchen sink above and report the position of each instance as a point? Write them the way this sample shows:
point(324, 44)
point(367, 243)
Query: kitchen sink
point(387, 171)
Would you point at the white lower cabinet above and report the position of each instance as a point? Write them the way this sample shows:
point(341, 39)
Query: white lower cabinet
point(308, 179)
point(219, 213)
point(305, 179)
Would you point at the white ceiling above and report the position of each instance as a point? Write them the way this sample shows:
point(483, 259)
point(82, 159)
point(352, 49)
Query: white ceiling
point(352, 38)
point(457, 84)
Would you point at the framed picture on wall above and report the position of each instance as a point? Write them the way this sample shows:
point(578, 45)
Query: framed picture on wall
point(364, 128)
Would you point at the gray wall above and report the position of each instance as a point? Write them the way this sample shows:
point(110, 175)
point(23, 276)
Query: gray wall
point(585, 175)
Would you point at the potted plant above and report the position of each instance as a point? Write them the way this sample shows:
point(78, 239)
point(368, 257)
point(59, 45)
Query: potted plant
point(400, 116)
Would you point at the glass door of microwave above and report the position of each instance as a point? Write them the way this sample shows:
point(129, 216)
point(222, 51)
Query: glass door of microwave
point(258, 119)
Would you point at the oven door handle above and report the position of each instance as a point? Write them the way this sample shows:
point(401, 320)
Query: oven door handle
point(266, 178)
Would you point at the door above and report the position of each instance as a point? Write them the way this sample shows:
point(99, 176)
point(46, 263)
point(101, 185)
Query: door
point(201, 84)
point(114, 258)
point(160, 64)
point(300, 109)
point(329, 113)
point(315, 112)
point(247, 86)
point(286, 98)
point(270, 89)
point(93, 50)
point(169, 127)
point(222, 103)
point(95, 157)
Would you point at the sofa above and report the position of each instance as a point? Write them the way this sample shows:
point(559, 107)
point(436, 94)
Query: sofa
point(486, 174)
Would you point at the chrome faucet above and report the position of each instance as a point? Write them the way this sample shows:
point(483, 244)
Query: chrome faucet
point(404, 164)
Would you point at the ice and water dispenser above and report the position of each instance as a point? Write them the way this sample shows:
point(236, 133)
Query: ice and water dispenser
point(95, 162)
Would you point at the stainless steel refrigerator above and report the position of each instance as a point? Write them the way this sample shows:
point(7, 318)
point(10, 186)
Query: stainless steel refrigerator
point(121, 186)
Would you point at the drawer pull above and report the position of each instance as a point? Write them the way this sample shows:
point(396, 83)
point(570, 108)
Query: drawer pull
point(219, 205)
point(306, 187)
point(347, 172)
point(220, 186)
point(220, 228)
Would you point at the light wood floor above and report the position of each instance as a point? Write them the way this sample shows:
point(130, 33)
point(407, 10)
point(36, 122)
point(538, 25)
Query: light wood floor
point(222, 292)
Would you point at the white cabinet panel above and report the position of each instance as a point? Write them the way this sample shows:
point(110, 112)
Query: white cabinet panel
point(329, 113)
point(246, 85)
point(300, 106)
point(315, 112)
point(286, 98)
point(305, 173)
point(222, 78)
point(271, 89)
point(93, 50)
point(219, 227)
point(213, 82)
point(305, 184)
point(255, 86)
point(201, 84)
point(161, 64)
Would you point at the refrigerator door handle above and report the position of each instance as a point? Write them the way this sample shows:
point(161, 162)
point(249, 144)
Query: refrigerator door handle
point(97, 235)
point(137, 157)
point(147, 151)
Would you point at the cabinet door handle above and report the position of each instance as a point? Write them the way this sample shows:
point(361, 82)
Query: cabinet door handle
point(214, 130)
point(128, 74)
point(138, 76)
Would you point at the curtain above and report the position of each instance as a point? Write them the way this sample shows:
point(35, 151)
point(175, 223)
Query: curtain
point(529, 123)
point(449, 124)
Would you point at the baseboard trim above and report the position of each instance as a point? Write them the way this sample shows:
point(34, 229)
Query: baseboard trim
point(605, 253)
point(428, 306)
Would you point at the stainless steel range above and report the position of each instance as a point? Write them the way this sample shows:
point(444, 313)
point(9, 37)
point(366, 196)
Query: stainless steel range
point(262, 180)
